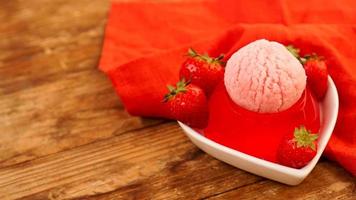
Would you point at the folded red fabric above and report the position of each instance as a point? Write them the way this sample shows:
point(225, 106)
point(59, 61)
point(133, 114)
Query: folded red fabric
point(145, 43)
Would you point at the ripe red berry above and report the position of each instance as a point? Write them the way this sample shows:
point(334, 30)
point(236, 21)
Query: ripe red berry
point(188, 104)
point(297, 149)
point(317, 76)
point(316, 71)
point(202, 70)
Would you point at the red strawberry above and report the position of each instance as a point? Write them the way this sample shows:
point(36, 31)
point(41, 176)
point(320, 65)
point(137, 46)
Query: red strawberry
point(202, 70)
point(317, 76)
point(188, 104)
point(316, 71)
point(296, 150)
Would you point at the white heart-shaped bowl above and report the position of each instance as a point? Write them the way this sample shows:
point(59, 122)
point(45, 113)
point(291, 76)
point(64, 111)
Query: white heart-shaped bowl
point(329, 109)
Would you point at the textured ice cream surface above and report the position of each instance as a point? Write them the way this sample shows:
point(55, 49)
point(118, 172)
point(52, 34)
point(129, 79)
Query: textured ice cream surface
point(265, 77)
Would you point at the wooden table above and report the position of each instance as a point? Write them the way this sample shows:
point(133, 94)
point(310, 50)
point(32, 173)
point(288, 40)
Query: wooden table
point(65, 135)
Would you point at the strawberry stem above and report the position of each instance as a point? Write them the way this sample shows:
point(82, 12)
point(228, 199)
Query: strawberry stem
point(173, 91)
point(302, 59)
point(220, 57)
point(192, 52)
point(293, 50)
point(205, 57)
point(304, 138)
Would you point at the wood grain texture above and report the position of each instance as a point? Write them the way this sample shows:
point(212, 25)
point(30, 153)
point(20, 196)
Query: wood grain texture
point(52, 97)
point(138, 164)
point(65, 135)
point(327, 181)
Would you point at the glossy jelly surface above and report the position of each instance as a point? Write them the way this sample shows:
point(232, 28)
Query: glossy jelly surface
point(257, 134)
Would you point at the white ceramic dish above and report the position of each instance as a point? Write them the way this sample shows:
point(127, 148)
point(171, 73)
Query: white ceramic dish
point(329, 110)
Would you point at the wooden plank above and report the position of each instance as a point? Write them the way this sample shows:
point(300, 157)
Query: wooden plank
point(61, 114)
point(52, 97)
point(327, 181)
point(157, 162)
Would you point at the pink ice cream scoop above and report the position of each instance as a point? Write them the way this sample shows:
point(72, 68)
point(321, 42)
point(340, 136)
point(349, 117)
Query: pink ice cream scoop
point(265, 77)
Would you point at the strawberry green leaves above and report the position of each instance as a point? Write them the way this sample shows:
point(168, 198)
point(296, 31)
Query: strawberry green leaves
point(180, 87)
point(304, 138)
point(205, 57)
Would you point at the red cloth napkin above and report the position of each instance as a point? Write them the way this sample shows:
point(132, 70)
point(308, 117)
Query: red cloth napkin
point(145, 43)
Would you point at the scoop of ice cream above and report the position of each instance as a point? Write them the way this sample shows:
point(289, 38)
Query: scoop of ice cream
point(265, 77)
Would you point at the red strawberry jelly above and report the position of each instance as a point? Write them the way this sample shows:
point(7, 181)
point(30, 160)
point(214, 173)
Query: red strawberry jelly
point(257, 134)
